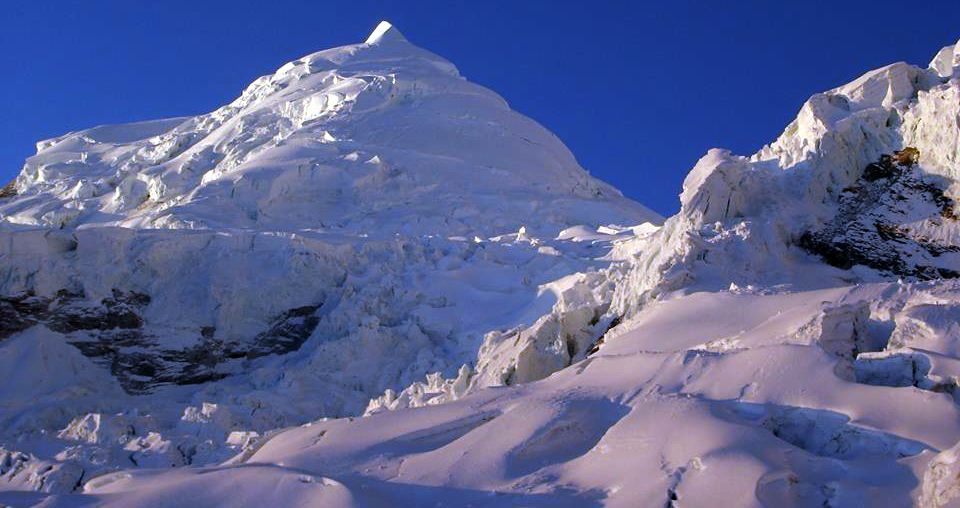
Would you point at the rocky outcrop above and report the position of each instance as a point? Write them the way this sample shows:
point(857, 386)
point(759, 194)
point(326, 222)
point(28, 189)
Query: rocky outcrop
point(895, 220)
point(112, 331)
point(287, 332)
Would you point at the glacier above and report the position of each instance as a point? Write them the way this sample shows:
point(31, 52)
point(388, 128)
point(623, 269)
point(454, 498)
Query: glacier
point(359, 220)
point(368, 282)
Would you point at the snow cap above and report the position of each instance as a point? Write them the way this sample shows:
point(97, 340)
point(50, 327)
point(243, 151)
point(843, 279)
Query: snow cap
point(385, 32)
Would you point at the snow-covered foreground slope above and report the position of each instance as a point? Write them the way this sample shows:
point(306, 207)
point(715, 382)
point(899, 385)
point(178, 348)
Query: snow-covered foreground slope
point(790, 338)
point(696, 406)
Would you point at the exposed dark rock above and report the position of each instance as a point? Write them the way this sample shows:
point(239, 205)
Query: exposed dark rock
point(9, 190)
point(198, 364)
point(870, 227)
point(907, 157)
point(12, 320)
point(287, 333)
point(17, 313)
point(29, 304)
point(884, 168)
point(112, 333)
point(599, 343)
point(71, 312)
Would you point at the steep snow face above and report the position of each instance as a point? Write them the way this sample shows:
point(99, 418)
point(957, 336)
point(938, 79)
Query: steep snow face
point(172, 290)
point(376, 138)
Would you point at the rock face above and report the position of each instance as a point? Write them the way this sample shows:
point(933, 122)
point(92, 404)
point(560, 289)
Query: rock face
point(894, 220)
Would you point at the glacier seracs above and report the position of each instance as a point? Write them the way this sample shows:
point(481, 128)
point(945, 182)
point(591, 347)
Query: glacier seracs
point(360, 219)
point(530, 349)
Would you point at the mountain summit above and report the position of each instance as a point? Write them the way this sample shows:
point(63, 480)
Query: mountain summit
point(385, 32)
point(374, 138)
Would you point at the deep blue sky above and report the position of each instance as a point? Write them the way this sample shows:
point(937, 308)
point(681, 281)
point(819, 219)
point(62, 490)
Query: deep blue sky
point(639, 91)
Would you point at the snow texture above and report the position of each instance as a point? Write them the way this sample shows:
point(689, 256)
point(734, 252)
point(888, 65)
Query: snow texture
point(367, 282)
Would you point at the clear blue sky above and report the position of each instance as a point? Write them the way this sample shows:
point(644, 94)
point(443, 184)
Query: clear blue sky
point(639, 91)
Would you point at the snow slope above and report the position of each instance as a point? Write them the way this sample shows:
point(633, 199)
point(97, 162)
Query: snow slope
point(789, 338)
point(693, 408)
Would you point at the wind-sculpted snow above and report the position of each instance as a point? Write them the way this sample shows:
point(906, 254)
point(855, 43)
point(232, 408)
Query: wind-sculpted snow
point(694, 406)
point(371, 234)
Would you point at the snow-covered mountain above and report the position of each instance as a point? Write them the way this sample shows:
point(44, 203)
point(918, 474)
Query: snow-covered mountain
point(360, 219)
point(379, 138)
point(202, 292)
